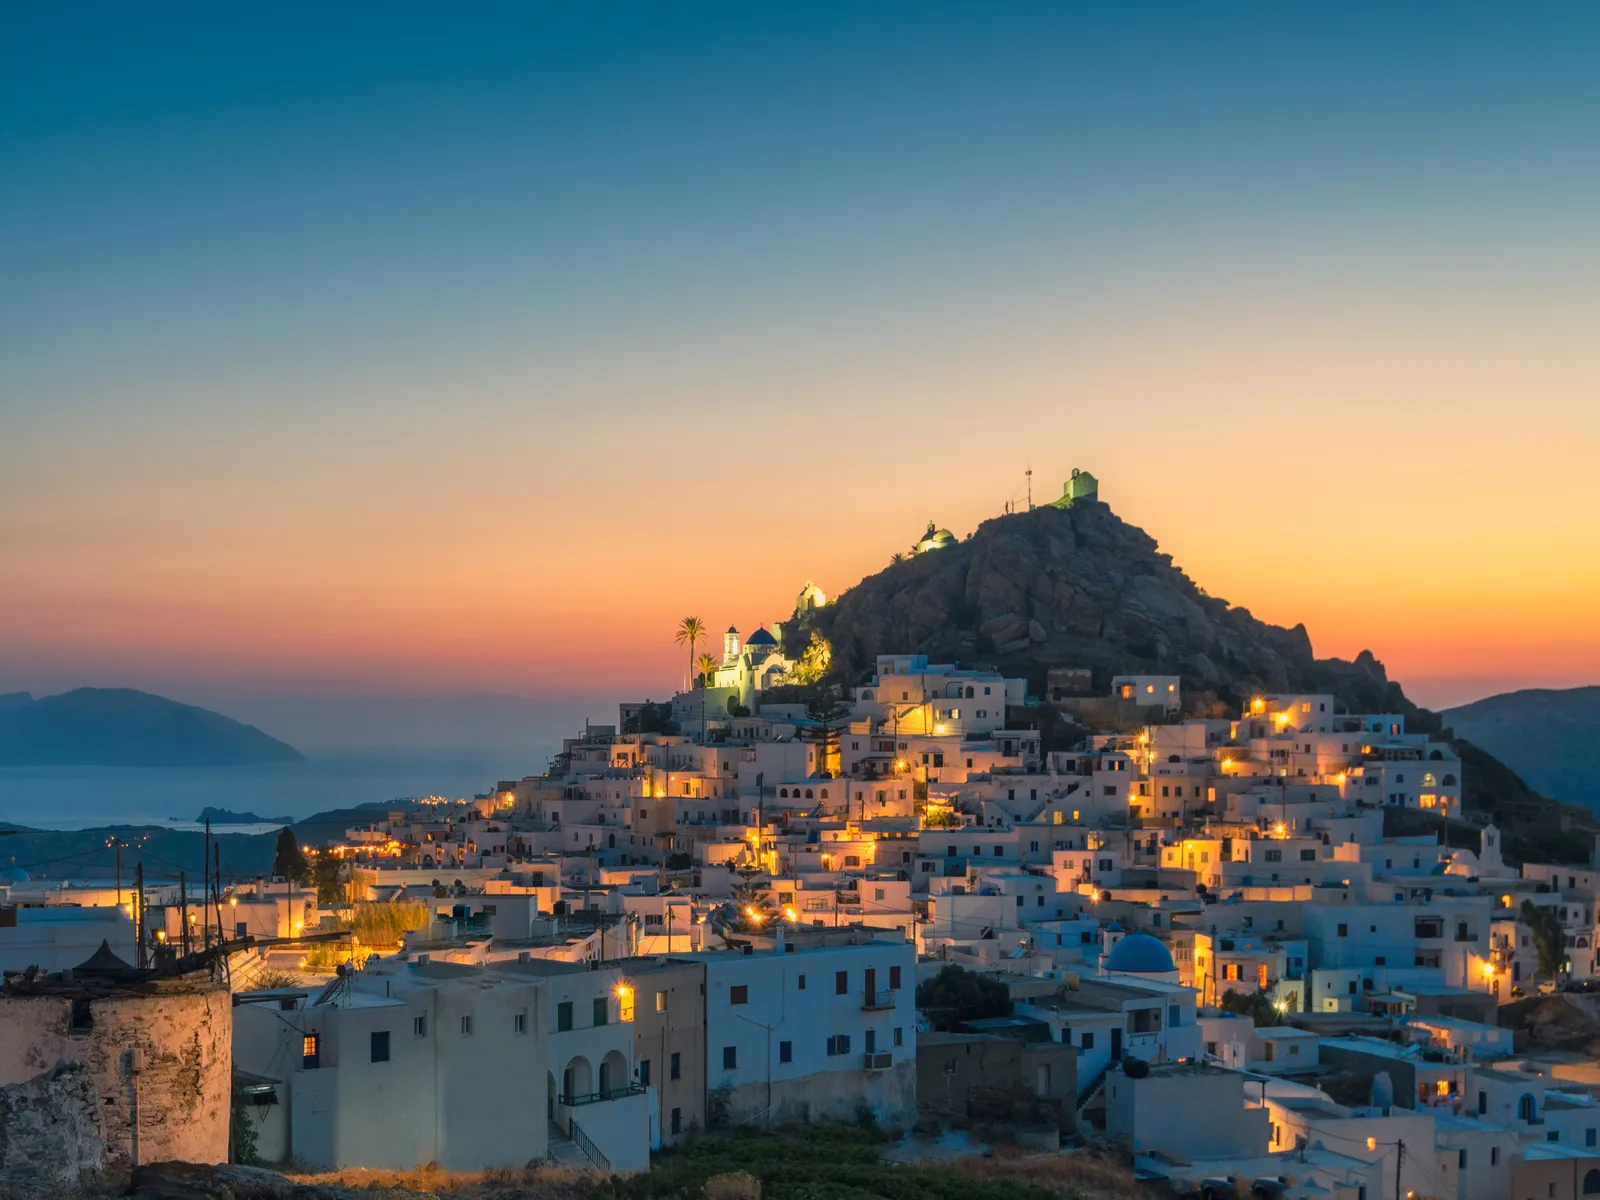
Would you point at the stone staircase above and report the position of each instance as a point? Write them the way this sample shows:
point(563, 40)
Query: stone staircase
point(562, 1151)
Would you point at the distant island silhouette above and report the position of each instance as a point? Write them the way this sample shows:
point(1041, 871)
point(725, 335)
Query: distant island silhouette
point(224, 816)
point(121, 727)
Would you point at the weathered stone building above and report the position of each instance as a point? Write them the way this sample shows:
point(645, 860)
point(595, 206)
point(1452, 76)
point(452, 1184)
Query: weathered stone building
point(157, 1054)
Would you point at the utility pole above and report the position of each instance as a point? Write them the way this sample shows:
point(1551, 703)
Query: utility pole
point(117, 844)
point(183, 913)
point(138, 920)
point(216, 853)
point(1399, 1157)
point(205, 892)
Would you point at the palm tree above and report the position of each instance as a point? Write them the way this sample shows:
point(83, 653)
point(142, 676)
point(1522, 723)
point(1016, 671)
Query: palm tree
point(691, 632)
point(705, 664)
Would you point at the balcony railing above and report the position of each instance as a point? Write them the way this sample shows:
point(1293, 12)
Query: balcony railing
point(590, 1150)
point(876, 1001)
point(616, 1093)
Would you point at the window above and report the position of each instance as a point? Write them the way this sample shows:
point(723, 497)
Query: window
point(899, 1036)
point(644, 1072)
point(677, 1120)
point(739, 993)
point(564, 1016)
point(311, 1051)
point(1344, 931)
point(466, 1025)
point(785, 1052)
point(519, 1022)
point(1494, 1156)
point(674, 1066)
point(839, 1044)
point(1308, 855)
point(1591, 1183)
point(380, 1045)
point(600, 1011)
point(1461, 1160)
point(802, 983)
point(419, 1026)
point(82, 1020)
point(661, 1002)
point(841, 983)
point(730, 1057)
point(1088, 1041)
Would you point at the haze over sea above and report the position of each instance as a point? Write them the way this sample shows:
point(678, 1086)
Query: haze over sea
point(83, 797)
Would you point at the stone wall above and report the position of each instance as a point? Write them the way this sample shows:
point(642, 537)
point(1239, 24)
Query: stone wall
point(160, 1062)
point(50, 1128)
point(832, 1096)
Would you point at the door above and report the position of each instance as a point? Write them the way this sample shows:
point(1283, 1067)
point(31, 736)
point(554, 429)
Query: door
point(871, 985)
point(1116, 1045)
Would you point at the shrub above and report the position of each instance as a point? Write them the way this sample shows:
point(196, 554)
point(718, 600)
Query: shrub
point(733, 1185)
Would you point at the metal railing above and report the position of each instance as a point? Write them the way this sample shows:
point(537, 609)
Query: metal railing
point(879, 999)
point(616, 1093)
point(590, 1150)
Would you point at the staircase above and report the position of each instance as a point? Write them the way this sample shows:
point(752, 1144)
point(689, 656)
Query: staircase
point(562, 1151)
point(1087, 1098)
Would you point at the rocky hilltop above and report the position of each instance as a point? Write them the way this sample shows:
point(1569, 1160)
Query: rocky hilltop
point(1080, 587)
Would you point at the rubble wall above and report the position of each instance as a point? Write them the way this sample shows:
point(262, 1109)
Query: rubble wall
point(50, 1127)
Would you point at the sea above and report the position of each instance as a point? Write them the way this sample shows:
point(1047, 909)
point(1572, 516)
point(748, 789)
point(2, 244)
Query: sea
point(92, 797)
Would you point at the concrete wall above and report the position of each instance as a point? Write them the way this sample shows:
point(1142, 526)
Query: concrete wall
point(57, 939)
point(465, 1099)
point(674, 1025)
point(792, 1000)
point(176, 1105)
point(1194, 1111)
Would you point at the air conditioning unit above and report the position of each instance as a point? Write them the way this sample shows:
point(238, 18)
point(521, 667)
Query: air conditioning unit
point(879, 1062)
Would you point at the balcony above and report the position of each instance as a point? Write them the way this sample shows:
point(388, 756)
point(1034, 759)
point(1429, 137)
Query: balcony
point(881, 1061)
point(877, 1001)
point(616, 1093)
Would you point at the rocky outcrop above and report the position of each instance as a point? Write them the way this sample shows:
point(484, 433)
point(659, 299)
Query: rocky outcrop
point(50, 1128)
point(224, 1181)
point(1078, 587)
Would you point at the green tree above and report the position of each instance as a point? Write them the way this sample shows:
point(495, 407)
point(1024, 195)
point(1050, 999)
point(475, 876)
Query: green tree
point(691, 632)
point(1548, 939)
point(954, 996)
point(288, 860)
point(1255, 1005)
point(327, 875)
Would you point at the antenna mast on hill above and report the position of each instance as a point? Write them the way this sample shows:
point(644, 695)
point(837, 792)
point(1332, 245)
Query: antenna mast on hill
point(1030, 487)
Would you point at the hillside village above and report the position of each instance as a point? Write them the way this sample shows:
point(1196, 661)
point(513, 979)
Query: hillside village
point(1079, 903)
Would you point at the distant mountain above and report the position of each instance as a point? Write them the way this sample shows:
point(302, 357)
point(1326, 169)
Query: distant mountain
point(119, 727)
point(1548, 736)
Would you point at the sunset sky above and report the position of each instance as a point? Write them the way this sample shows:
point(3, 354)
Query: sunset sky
point(398, 349)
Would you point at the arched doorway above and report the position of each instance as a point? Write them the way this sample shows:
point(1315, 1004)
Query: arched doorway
point(613, 1073)
point(577, 1080)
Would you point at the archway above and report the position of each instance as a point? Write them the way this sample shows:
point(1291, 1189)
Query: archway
point(577, 1080)
point(613, 1073)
